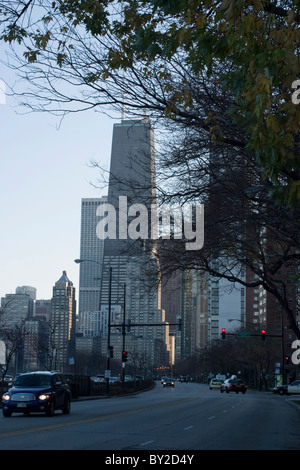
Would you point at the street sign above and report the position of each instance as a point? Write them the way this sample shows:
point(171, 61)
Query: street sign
point(243, 334)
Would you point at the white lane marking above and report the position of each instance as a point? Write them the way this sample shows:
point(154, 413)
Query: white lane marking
point(145, 443)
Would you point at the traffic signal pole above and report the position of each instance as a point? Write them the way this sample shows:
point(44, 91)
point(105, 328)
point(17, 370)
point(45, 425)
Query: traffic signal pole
point(263, 335)
point(124, 334)
point(108, 353)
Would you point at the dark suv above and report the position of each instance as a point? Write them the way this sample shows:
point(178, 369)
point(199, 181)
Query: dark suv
point(37, 392)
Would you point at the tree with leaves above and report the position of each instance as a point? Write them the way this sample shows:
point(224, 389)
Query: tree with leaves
point(218, 76)
point(253, 46)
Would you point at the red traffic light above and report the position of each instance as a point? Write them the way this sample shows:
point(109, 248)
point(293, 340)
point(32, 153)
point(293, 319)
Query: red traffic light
point(223, 333)
point(124, 356)
point(263, 334)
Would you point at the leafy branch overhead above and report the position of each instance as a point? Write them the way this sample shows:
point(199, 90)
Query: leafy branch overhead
point(249, 49)
point(217, 78)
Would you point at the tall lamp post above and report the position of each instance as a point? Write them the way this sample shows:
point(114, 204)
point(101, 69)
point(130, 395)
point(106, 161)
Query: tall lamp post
point(108, 336)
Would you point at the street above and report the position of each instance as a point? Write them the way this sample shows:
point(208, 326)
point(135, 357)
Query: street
point(187, 417)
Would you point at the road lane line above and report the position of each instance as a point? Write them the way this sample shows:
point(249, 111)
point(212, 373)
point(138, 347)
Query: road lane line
point(89, 420)
point(145, 443)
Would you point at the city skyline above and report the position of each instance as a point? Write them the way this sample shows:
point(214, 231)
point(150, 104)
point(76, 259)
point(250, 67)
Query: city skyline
point(45, 171)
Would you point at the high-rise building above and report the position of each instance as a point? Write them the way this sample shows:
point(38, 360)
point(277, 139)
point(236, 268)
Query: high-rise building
point(132, 176)
point(131, 193)
point(16, 308)
point(31, 291)
point(42, 309)
point(35, 345)
point(91, 251)
point(63, 323)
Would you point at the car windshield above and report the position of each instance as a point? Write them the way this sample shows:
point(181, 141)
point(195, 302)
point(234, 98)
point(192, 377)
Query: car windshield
point(33, 381)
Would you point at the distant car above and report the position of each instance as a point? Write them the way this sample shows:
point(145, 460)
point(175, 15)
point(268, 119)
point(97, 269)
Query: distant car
point(280, 389)
point(168, 382)
point(114, 380)
point(233, 385)
point(162, 379)
point(37, 392)
point(215, 383)
point(8, 378)
point(183, 378)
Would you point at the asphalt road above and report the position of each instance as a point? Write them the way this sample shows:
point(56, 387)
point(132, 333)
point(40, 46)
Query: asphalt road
point(188, 417)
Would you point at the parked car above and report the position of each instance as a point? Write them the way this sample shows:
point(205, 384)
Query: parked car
point(215, 383)
point(233, 385)
point(37, 392)
point(280, 389)
point(168, 382)
point(183, 378)
point(114, 380)
point(293, 387)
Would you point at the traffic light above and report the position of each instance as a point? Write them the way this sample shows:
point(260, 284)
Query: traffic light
point(124, 356)
point(179, 324)
point(128, 326)
point(263, 334)
point(223, 333)
point(287, 360)
point(111, 351)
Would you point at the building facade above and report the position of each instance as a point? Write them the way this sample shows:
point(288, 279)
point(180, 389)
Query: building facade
point(63, 324)
point(131, 190)
point(91, 251)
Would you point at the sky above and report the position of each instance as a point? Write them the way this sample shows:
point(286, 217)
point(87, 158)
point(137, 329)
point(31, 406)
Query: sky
point(45, 171)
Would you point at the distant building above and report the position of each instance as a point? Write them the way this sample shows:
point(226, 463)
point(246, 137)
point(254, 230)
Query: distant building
point(42, 309)
point(91, 251)
point(31, 291)
point(263, 310)
point(217, 304)
point(86, 345)
point(132, 178)
point(63, 323)
point(35, 347)
point(16, 309)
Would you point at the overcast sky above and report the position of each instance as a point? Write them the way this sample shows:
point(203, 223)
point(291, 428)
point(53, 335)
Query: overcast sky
point(44, 173)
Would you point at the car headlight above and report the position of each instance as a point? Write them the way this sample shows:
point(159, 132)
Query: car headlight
point(6, 397)
point(44, 397)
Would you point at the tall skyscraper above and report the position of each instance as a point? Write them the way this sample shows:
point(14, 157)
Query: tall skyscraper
point(91, 251)
point(131, 191)
point(132, 176)
point(63, 323)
